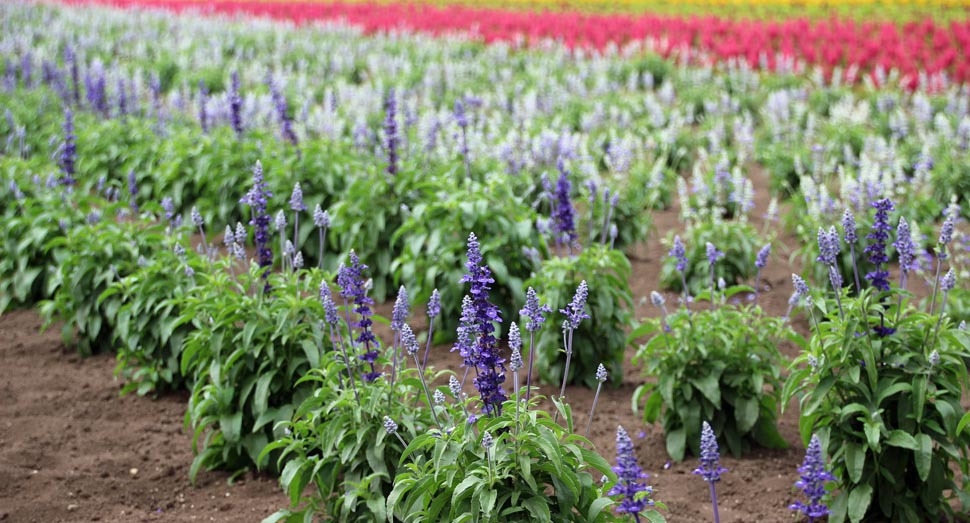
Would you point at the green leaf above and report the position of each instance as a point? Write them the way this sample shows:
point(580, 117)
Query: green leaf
point(746, 413)
point(260, 401)
point(676, 443)
point(859, 500)
point(898, 438)
point(596, 507)
point(538, 508)
point(964, 422)
point(872, 430)
point(923, 455)
point(709, 387)
point(855, 460)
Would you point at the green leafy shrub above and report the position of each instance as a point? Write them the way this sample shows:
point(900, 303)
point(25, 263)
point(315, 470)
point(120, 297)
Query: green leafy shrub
point(244, 355)
point(535, 469)
point(147, 329)
point(738, 240)
point(92, 257)
point(720, 365)
point(28, 226)
point(337, 446)
point(601, 339)
point(433, 237)
point(886, 408)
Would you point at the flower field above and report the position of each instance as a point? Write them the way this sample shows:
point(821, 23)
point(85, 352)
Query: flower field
point(514, 262)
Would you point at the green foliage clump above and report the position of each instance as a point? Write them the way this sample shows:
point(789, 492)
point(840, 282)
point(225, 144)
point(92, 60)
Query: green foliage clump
point(887, 408)
point(248, 347)
point(718, 364)
point(91, 258)
point(600, 339)
point(739, 241)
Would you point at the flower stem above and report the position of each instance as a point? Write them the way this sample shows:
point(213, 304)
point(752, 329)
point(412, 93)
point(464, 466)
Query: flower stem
point(565, 371)
point(350, 371)
point(596, 397)
point(424, 363)
point(427, 393)
point(528, 377)
point(717, 518)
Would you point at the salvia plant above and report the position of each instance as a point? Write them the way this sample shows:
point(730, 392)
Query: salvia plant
point(714, 362)
point(608, 299)
point(880, 384)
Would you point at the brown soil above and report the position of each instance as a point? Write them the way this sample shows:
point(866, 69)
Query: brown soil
point(72, 449)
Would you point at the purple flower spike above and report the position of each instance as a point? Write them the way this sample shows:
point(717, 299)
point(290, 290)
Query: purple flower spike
point(69, 150)
point(877, 249)
point(409, 340)
point(946, 231)
point(904, 246)
point(563, 215)
point(828, 246)
point(713, 254)
point(321, 218)
point(390, 131)
point(812, 482)
point(710, 468)
point(848, 227)
point(533, 311)
point(629, 478)
point(679, 252)
point(235, 104)
point(330, 313)
point(296, 199)
point(434, 304)
point(258, 199)
point(480, 328)
point(401, 310)
point(351, 280)
point(949, 281)
point(576, 310)
point(761, 260)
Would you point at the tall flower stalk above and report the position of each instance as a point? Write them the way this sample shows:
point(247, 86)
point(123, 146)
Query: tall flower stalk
point(679, 252)
point(907, 258)
point(69, 150)
point(575, 313)
point(534, 312)
point(297, 206)
point(410, 343)
point(849, 233)
point(489, 365)
point(434, 310)
point(948, 283)
point(399, 316)
point(351, 280)
point(563, 215)
point(516, 364)
point(760, 262)
point(946, 236)
point(829, 246)
point(390, 132)
point(332, 319)
point(601, 376)
point(321, 219)
point(710, 468)
point(235, 105)
point(879, 277)
point(712, 256)
point(258, 199)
